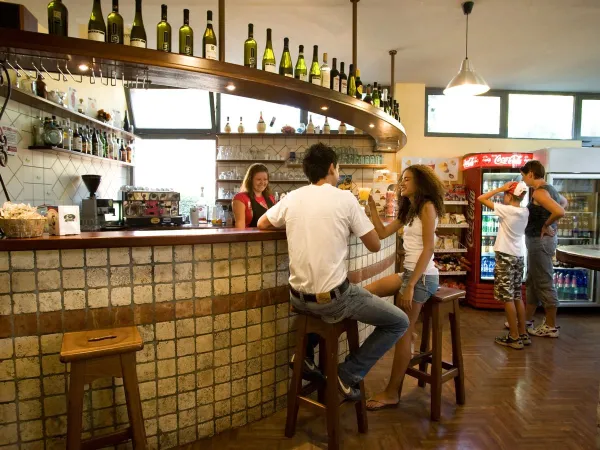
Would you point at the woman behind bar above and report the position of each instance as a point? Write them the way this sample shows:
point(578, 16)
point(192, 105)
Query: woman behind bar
point(421, 202)
point(255, 197)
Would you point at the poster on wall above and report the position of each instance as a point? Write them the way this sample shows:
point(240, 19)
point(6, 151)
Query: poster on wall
point(445, 168)
point(12, 138)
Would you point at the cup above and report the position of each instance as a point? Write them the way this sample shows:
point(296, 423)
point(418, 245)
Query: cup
point(363, 195)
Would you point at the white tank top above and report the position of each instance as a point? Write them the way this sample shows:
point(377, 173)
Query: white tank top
point(413, 247)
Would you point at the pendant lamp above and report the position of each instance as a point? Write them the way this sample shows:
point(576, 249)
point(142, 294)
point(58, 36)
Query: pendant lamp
point(467, 82)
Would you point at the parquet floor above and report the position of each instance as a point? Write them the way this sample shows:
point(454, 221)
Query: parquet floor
point(543, 397)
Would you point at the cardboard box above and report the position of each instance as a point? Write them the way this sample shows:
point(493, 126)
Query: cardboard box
point(63, 220)
point(17, 17)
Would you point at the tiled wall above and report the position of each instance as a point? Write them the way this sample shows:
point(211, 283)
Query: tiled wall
point(215, 320)
point(45, 177)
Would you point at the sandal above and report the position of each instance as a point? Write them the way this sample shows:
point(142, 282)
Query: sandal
point(380, 405)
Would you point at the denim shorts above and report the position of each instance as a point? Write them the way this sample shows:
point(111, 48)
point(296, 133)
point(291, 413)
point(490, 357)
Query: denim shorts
point(425, 287)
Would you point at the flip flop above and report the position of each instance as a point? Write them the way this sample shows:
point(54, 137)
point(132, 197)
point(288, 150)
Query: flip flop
point(381, 405)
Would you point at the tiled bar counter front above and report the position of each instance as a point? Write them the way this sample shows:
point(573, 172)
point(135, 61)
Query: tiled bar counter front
point(212, 308)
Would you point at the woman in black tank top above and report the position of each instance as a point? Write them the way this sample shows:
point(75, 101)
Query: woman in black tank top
point(546, 207)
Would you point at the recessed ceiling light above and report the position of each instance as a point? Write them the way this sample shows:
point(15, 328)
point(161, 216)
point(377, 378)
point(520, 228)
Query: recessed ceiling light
point(230, 87)
point(371, 125)
point(324, 108)
point(84, 67)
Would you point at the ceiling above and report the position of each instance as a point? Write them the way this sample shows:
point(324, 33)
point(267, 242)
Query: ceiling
point(515, 44)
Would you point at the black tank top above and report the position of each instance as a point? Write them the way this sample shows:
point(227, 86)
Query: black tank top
point(538, 214)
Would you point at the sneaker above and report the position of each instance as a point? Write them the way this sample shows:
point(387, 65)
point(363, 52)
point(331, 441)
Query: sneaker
point(350, 393)
point(544, 331)
point(528, 324)
point(508, 341)
point(310, 371)
point(526, 339)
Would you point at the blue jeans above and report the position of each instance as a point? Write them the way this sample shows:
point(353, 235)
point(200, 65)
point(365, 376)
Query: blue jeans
point(425, 287)
point(359, 304)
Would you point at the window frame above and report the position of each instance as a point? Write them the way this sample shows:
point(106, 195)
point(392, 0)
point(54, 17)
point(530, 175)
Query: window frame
point(579, 98)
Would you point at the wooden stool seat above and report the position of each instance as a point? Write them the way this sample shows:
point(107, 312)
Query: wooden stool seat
point(445, 300)
point(95, 354)
point(328, 396)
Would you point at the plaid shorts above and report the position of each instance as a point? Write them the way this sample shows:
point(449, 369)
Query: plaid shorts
point(508, 277)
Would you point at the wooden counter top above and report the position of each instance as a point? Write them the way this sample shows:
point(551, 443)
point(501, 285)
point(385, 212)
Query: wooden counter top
point(587, 256)
point(113, 239)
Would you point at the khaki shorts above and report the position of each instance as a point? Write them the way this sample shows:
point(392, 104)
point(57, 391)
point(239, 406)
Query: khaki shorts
point(508, 277)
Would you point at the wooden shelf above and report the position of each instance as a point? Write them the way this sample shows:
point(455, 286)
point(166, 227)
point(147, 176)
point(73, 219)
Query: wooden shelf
point(28, 98)
point(296, 135)
point(251, 161)
point(456, 202)
point(347, 166)
point(174, 70)
point(83, 155)
point(453, 225)
point(270, 181)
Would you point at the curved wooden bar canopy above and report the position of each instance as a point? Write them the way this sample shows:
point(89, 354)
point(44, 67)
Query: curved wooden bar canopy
point(172, 69)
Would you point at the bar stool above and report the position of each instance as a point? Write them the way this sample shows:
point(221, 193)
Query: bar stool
point(444, 300)
point(103, 353)
point(328, 396)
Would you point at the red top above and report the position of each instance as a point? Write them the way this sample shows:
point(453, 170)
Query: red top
point(245, 199)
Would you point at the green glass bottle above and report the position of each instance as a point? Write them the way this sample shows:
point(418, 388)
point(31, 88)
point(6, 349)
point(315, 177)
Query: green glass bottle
point(209, 40)
point(375, 96)
point(96, 25)
point(359, 85)
point(115, 25)
point(163, 31)
point(351, 82)
point(58, 18)
point(250, 48)
point(268, 62)
point(315, 71)
point(285, 65)
point(300, 72)
point(138, 32)
point(186, 36)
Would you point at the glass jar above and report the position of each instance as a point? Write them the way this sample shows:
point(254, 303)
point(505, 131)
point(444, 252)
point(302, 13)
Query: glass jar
point(52, 134)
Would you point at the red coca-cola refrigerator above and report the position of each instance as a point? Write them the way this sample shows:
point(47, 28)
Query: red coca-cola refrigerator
point(483, 172)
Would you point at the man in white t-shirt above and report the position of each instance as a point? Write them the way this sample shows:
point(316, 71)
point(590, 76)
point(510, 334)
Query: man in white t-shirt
point(509, 248)
point(318, 220)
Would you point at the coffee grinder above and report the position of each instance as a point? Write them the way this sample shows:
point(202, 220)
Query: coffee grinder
point(93, 209)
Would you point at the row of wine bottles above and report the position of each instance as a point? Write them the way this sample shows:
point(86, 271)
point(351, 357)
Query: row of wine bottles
point(112, 30)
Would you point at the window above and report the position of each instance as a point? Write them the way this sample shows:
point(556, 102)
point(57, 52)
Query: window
point(463, 115)
point(540, 116)
point(182, 165)
point(171, 109)
point(590, 118)
point(249, 109)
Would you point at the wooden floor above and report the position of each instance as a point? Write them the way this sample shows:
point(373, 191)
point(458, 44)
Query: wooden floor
point(543, 397)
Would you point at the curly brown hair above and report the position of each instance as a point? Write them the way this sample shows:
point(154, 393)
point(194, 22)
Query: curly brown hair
point(429, 189)
point(249, 177)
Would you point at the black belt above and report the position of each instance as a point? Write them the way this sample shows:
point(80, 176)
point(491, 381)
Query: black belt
point(313, 298)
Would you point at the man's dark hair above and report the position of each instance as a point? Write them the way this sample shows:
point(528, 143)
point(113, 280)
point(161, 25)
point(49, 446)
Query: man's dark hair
point(535, 167)
point(317, 161)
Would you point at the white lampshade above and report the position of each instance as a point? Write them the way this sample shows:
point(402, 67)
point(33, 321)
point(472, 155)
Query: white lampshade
point(467, 82)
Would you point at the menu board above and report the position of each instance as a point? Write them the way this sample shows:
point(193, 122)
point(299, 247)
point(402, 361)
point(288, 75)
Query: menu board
point(445, 168)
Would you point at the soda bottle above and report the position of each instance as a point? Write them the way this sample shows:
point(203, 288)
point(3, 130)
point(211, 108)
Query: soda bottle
point(567, 286)
point(584, 285)
point(484, 224)
point(492, 266)
point(484, 267)
point(560, 285)
point(574, 289)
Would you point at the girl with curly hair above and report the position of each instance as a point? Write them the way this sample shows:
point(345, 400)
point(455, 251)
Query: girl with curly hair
point(421, 202)
point(254, 198)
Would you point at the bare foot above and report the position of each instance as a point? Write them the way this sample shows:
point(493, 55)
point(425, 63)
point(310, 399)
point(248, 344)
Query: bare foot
point(382, 400)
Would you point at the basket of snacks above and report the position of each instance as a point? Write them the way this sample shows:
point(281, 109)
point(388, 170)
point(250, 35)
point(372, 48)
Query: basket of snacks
point(21, 221)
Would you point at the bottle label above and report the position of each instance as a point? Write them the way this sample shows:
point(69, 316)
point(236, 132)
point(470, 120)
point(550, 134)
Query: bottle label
point(344, 89)
point(96, 35)
point(77, 144)
point(136, 42)
point(115, 39)
point(57, 16)
point(359, 89)
point(326, 79)
point(187, 50)
point(252, 62)
point(270, 67)
point(303, 77)
point(317, 81)
point(289, 75)
point(211, 51)
point(336, 84)
point(166, 47)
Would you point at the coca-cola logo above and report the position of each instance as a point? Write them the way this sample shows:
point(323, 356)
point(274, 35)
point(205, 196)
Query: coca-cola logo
point(470, 162)
point(515, 160)
point(496, 160)
point(486, 159)
point(470, 215)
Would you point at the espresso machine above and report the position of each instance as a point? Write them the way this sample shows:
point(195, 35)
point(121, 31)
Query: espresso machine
point(93, 210)
point(147, 207)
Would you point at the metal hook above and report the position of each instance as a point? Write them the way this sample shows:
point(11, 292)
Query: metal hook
point(16, 70)
point(113, 80)
point(29, 77)
point(44, 69)
point(64, 77)
point(71, 75)
point(136, 81)
point(101, 78)
point(93, 76)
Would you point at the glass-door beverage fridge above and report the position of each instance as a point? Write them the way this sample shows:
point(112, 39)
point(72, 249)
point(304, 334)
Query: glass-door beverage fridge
point(483, 172)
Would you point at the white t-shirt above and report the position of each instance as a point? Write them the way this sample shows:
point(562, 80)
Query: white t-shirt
point(413, 247)
point(318, 222)
point(513, 220)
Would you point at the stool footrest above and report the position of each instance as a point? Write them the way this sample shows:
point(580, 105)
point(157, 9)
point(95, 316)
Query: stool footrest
point(451, 373)
point(107, 439)
point(419, 375)
point(313, 404)
point(416, 359)
point(310, 388)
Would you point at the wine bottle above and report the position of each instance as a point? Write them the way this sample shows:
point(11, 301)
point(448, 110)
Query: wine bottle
point(209, 40)
point(138, 32)
point(58, 18)
point(359, 85)
point(351, 81)
point(186, 36)
point(95, 146)
point(300, 72)
point(77, 140)
point(368, 97)
point(96, 25)
point(375, 95)
point(115, 25)
point(343, 80)
point(163, 31)
point(325, 73)
point(285, 65)
point(315, 72)
point(250, 48)
point(268, 61)
point(334, 77)
point(126, 123)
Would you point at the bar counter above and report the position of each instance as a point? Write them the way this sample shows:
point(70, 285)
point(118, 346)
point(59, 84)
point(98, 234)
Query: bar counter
point(212, 308)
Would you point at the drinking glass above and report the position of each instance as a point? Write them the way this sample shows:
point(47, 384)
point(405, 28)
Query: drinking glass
point(363, 195)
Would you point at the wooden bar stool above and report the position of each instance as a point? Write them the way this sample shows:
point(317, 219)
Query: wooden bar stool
point(444, 300)
point(103, 353)
point(328, 396)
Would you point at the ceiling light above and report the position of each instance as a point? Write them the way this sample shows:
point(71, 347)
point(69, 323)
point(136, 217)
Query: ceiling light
point(230, 87)
point(467, 82)
point(371, 125)
point(84, 67)
point(324, 108)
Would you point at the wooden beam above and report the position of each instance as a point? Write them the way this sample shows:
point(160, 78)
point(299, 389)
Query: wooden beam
point(222, 30)
point(393, 80)
point(355, 33)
